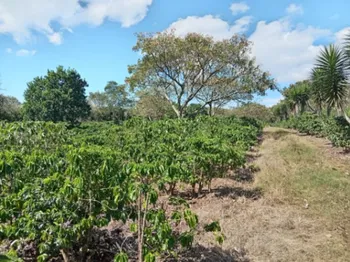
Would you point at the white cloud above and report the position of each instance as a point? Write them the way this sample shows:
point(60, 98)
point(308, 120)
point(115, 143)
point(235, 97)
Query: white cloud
point(55, 38)
point(287, 51)
point(237, 8)
point(20, 18)
point(25, 52)
point(295, 9)
point(341, 35)
point(210, 25)
point(8, 50)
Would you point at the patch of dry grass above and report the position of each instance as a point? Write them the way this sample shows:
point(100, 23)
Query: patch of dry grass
point(304, 213)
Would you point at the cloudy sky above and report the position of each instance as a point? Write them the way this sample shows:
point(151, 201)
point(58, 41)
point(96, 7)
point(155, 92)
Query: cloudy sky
point(96, 36)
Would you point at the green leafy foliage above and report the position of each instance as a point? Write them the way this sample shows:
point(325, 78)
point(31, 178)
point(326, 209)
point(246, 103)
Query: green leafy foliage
point(10, 108)
point(212, 227)
point(57, 184)
point(58, 96)
point(337, 129)
point(171, 65)
point(112, 104)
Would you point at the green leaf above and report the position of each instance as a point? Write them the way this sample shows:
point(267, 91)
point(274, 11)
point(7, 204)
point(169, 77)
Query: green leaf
point(121, 257)
point(133, 227)
point(4, 258)
point(220, 238)
point(186, 239)
point(190, 218)
point(150, 257)
point(212, 227)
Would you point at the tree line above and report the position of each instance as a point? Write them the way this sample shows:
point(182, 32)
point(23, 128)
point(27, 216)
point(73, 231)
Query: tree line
point(176, 77)
point(327, 91)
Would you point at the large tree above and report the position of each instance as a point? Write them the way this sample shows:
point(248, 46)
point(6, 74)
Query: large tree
point(196, 68)
point(58, 96)
point(112, 104)
point(153, 106)
point(10, 108)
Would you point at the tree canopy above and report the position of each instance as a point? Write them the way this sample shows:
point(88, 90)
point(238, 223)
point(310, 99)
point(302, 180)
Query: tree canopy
point(58, 96)
point(254, 110)
point(197, 68)
point(112, 104)
point(153, 106)
point(10, 108)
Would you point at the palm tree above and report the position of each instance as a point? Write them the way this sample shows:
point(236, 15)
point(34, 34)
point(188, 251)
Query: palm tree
point(316, 91)
point(347, 54)
point(333, 63)
point(297, 96)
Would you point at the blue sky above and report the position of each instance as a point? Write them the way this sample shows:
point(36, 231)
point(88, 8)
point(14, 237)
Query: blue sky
point(96, 38)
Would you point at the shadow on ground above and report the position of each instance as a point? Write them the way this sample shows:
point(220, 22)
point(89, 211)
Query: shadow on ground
point(276, 134)
point(236, 192)
point(244, 174)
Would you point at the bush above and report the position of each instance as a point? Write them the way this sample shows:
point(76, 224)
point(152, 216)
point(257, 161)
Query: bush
point(337, 129)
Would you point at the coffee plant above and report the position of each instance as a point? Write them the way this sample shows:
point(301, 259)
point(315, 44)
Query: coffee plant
point(336, 129)
point(57, 185)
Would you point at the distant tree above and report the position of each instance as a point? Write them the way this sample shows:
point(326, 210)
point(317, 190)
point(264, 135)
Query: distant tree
point(99, 107)
point(58, 96)
point(254, 110)
point(196, 67)
point(194, 109)
point(316, 91)
point(298, 95)
point(10, 108)
point(153, 106)
point(112, 104)
point(281, 110)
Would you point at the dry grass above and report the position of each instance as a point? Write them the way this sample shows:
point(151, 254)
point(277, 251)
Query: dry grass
point(304, 213)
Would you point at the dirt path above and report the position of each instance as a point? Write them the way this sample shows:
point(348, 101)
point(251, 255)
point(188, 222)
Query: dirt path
point(296, 208)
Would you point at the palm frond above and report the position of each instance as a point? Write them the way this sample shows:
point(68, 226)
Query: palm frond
point(332, 65)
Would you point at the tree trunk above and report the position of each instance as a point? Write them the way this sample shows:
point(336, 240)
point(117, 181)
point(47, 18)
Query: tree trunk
point(296, 110)
point(193, 189)
point(139, 231)
point(329, 109)
point(64, 255)
point(178, 111)
point(211, 109)
point(340, 111)
point(347, 118)
point(181, 113)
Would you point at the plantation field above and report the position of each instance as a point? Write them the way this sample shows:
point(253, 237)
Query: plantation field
point(58, 185)
point(175, 190)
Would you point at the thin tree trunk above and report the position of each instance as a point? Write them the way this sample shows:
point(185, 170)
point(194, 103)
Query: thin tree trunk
point(143, 229)
point(193, 189)
point(312, 109)
point(211, 109)
point(176, 110)
point(64, 255)
point(139, 231)
point(347, 118)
